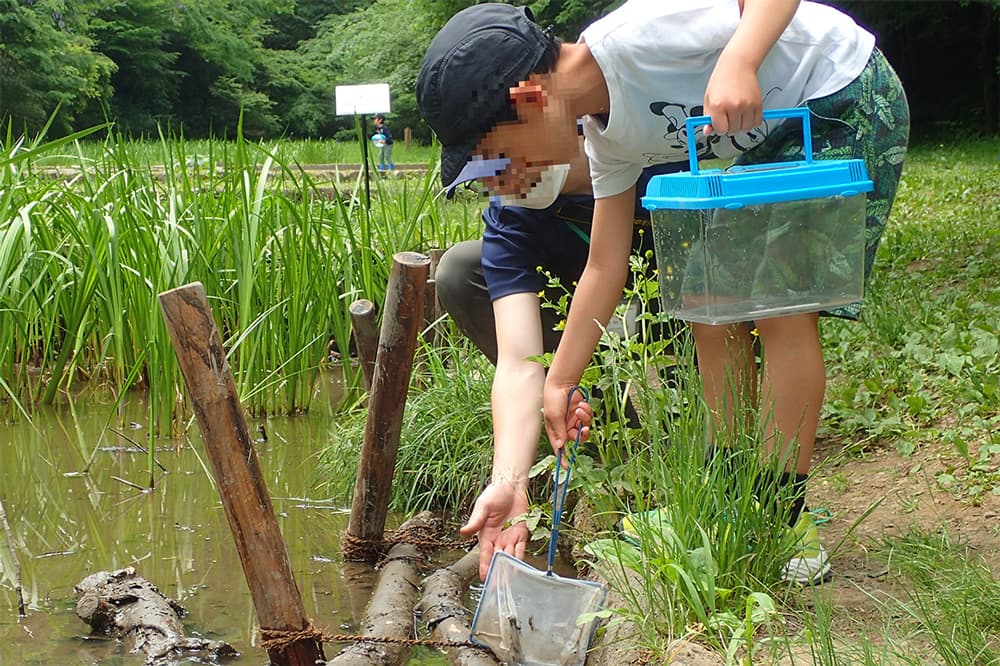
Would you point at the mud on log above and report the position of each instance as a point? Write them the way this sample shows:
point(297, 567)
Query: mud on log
point(123, 605)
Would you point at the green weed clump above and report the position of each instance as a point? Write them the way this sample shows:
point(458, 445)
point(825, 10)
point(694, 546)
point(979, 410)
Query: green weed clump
point(446, 442)
point(85, 252)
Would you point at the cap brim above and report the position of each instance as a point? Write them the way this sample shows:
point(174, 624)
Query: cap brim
point(453, 159)
point(477, 168)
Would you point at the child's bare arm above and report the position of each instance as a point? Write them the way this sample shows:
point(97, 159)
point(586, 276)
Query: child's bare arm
point(733, 96)
point(594, 299)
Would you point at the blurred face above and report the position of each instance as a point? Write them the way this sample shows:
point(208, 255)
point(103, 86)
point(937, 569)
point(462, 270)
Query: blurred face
point(543, 135)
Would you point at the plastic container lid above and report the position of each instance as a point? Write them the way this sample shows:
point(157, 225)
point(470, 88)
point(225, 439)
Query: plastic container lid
point(756, 184)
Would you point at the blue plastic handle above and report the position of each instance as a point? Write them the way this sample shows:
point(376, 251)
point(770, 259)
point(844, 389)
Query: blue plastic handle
point(800, 112)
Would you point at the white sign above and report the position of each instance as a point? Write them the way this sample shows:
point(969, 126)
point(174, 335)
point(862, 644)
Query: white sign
point(363, 99)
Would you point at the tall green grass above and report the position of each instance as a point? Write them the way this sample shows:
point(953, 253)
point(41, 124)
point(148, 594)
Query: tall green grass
point(920, 370)
point(200, 152)
point(923, 364)
point(446, 441)
point(84, 254)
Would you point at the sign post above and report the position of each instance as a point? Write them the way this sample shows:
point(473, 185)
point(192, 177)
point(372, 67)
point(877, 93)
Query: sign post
point(364, 100)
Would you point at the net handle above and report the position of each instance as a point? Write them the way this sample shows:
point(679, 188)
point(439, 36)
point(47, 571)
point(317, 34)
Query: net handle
point(561, 488)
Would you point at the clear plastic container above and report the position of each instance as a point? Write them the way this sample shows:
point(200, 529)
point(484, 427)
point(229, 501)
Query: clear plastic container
point(760, 241)
point(529, 617)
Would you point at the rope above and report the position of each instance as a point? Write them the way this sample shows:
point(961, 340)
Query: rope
point(280, 640)
point(357, 549)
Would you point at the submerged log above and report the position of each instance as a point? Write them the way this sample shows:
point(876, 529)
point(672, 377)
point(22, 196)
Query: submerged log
point(123, 605)
point(390, 611)
point(442, 608)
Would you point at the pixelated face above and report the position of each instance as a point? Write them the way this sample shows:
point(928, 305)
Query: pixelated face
point(543, 134)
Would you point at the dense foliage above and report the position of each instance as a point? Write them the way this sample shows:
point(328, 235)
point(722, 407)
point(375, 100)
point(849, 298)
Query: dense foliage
point(198, 65)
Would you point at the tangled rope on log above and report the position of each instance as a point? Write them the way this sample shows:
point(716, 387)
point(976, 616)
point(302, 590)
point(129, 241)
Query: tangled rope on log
point(422, 537)
point(280, 640)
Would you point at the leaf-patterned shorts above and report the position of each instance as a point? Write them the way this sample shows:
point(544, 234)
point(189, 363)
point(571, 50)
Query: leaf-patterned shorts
point(868, 119)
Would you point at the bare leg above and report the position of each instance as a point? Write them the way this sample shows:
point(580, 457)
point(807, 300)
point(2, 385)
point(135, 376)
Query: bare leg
point(794, 380)
point(728, 372)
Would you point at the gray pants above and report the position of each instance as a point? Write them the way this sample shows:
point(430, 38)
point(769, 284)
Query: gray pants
point(385, 156)
point(461, 288)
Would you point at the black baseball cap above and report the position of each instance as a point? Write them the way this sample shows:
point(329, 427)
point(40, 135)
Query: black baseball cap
point(470, 65)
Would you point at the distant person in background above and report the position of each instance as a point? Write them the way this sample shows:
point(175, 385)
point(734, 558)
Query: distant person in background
point(383, 140)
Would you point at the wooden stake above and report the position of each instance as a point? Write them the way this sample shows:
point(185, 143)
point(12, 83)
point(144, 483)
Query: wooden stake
point(365, 337)
point(435, 310)
point(401, 319)
point(432, 310)
point(238, 476)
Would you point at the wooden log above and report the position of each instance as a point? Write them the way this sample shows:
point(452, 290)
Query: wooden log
point(125, 606)
point(390, 611)
point(430, 296)
point(365, 337)
point(442, 609)
point(401, 318)
point(238, 476)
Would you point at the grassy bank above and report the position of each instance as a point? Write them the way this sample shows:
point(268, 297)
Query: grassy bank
point(918, 376)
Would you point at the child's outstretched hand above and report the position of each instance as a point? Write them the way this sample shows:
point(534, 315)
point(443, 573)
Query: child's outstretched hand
point(499, 502)
point(565, 418)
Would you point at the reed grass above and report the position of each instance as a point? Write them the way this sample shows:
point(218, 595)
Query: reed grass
point(446, 440)
point(204, 152)
point(281, 253)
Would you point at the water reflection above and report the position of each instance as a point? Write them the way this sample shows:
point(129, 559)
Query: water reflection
point(68, 524)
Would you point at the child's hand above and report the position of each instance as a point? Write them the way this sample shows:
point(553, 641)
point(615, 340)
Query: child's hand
point(562, 424)
point(733, 98)
point(499, 502)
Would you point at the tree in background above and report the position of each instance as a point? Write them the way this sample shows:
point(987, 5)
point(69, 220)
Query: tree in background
point(568, 18)
point(384, 42)
point(946, 53)
point(200, 66)
point(138, 36)
point(48, 61)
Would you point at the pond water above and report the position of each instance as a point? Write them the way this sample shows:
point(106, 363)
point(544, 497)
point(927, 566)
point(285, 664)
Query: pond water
point(69, 521)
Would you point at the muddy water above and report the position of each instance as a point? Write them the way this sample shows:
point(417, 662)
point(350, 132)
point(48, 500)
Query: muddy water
point(69, 520)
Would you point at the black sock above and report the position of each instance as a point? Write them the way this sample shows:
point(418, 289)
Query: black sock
point(768, 492)
point(798, 483)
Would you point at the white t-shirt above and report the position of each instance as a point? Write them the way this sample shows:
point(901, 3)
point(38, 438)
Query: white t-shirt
point(657, 56)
